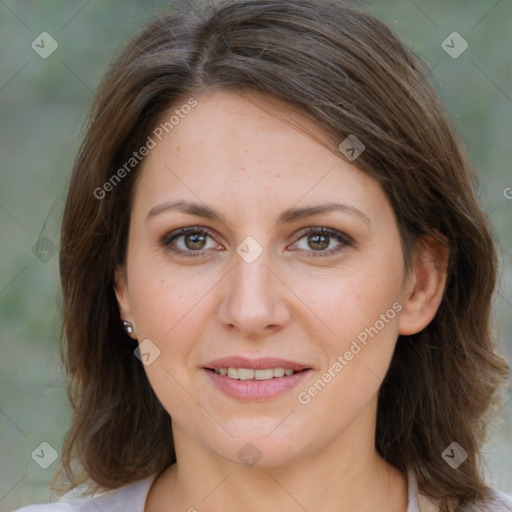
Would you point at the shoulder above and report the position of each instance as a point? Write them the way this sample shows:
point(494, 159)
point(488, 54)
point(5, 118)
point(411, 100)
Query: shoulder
point(130, 497)
point(497, 502)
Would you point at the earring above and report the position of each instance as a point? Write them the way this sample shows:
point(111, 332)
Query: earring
point(128, 327)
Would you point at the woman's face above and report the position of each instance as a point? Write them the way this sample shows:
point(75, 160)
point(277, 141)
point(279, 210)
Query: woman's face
point(251, 285)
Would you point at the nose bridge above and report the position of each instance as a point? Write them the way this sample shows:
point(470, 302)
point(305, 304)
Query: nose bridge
point(251, 279)
point(252, 302)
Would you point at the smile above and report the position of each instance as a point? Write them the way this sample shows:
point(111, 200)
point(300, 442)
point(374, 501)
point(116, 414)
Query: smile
point(255, 379)
point(250, 373)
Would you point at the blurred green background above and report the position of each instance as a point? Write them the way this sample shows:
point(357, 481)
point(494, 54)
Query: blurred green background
point(43, 103)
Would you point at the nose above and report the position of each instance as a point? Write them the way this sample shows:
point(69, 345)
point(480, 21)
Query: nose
point(254, 299)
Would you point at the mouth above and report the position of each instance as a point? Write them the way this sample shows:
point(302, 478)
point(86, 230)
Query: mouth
point(256, 379)
point(253, 374)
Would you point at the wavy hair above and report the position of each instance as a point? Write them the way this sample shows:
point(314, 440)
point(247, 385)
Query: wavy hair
point(348, 72)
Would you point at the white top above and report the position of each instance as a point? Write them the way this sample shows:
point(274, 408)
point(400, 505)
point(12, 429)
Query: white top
point(132, 498)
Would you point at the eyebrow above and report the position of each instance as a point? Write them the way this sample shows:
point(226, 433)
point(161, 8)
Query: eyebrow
point(286, 217)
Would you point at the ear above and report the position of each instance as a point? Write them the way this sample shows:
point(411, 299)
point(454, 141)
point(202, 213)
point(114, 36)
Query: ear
point(425, 285)
point(123, 299)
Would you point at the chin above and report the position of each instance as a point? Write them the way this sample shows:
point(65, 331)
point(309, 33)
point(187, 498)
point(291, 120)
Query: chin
point(263, 448)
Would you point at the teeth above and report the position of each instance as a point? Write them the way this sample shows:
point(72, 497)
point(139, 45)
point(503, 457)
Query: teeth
point(279, 372)
point(264, 374)
point(251, 374)
point(233, 373)
point(246, 373)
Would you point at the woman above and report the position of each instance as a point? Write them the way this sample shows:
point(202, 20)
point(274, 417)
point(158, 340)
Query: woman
point(268, 262)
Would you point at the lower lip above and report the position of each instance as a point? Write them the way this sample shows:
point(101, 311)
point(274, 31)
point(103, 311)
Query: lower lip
point(256, 390)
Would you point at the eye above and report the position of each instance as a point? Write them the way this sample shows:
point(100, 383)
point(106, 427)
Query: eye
point(189, 242)
point(320, 240)
point(193, 241)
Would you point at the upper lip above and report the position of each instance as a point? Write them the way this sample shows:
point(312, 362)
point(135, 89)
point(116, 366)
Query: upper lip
point(261, 363)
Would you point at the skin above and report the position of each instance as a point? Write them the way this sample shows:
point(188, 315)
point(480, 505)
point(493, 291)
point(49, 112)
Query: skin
point(234, 154)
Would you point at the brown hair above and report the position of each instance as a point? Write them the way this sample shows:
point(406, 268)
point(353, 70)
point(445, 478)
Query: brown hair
point(350, 73)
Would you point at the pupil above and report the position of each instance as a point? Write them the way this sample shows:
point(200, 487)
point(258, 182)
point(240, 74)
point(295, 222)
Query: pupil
point(196, 238)
point(322, 245)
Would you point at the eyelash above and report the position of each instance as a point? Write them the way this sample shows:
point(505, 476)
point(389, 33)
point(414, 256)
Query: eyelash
point(345, 240)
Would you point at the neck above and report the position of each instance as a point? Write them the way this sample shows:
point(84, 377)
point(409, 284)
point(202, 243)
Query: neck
point(343, 477)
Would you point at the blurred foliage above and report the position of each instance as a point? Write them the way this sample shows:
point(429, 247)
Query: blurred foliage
point(43, 105)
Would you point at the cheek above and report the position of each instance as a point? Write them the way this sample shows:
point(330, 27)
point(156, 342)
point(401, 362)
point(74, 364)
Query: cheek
point(165, 300)
point(345, 302)
point(169, 307)
point(364, 318)
point(360, 305)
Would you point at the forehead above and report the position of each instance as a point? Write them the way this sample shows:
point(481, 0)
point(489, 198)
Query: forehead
point(237, 150)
